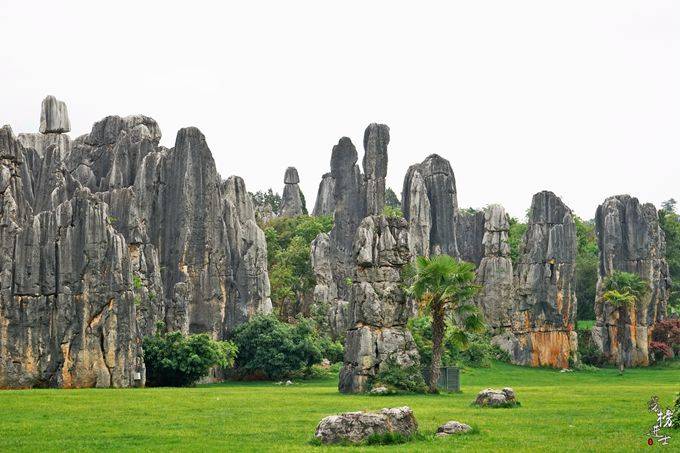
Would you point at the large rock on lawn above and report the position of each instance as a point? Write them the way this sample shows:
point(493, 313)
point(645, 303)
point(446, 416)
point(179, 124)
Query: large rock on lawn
point(356, 427)
point(496, 398)
point(453, 427)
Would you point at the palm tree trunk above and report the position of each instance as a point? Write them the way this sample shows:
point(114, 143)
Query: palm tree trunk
point(438, 329)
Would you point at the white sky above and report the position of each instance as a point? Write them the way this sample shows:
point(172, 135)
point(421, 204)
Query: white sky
point(579, 97)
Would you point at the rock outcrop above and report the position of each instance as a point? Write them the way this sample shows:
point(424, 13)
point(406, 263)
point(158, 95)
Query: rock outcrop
point(325, 201)
point(291, 201)
point(379, 310)
point(54, 116)
point(433, 229)
point(356, 427)
point(103, 236)
point(354, 195)
point(495, 271)
point(496, 398)
point(544, 311)
point(630, 240)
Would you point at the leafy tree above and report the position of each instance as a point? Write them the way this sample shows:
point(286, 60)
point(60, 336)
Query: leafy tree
point(288, 258)
point(275, 349)
point(587, 263)
point(623, 290)
point(515, 236)
point(442, 285)
point(175, 360)
point(271, 198)
point(390, 211)
point(391, 199)
point(669, 221)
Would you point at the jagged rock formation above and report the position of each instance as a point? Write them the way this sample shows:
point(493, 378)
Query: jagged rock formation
point(104, 236)
point(325, 198)
point(494, 272)
point(471, 228)
point(432, 224)
point(544, 312)
point(353, 194)
point(291, 202)
point(630, 240)
point(54, 116)
point(379, 310)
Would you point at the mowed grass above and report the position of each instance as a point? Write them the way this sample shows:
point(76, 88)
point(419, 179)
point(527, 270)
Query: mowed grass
point(579, 411)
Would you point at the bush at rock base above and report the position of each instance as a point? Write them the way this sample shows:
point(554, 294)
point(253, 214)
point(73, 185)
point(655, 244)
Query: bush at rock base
point(175, 360)
point(397, 377)
point(273, 349)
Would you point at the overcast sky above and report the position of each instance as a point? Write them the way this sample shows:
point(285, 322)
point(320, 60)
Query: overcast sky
point(580, 97)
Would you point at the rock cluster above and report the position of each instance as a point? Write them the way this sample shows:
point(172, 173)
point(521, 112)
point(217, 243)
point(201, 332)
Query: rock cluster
point(630, 240)
point(291, 201)
point(356, 427)
point(378, 309)
point(544, 311)
point(106, 235)
point(355, 196)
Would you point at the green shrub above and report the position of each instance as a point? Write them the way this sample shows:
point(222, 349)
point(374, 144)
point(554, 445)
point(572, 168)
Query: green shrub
point(175, 360)
point(676, 412)
point(588, 352)
point(332, 350)
point(137, 281)
point(392, 375)
point(275, 349)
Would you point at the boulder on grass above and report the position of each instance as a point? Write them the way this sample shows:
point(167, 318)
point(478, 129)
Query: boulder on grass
point(453, 427)
point(356, 427)
point(496, 398)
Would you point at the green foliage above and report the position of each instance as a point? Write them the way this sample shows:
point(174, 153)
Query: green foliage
point(588, 351)
point(175, 360)
point(274, 349)
point(669, 221)
point(391, 211)
point(138, 301)
point(391, 199)
point(332, 350)
point(587, 262)
point(515, 235)
point(476, 351)
point(624, 289)
point(137, 282)
point(152, 296)
point(405, 378)
point(269, 197)
point(288, 256)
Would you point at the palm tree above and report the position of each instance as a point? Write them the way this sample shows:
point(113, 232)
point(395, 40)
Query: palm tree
point(623, 290)
point(444, 285)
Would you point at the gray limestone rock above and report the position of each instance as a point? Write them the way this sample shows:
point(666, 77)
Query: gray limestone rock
point(544, 314)
point(54, 116)
point(440, 187)
point(453, 427)
point(356, 427)
point(630, 240)
point(291, 201)
point(376, 139)
point(496, 398)
point(325, 201)
point(379, 310)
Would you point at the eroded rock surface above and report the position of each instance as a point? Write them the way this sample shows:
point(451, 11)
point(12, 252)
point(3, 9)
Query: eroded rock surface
point(378, 310)
point(544, 312)
point(630, 240)
point(54, 116)
point(356, 427)
point(325, 201)
point(103, 236)
point(496, 398)
point(291, 201)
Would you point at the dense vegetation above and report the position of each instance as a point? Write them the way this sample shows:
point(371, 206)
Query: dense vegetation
point(176, 360)
point(272, 349)
point(670, 223)
point(587, 262)
point(289, 262)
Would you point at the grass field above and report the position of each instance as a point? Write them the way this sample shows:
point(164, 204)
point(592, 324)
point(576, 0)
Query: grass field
point(579, 411)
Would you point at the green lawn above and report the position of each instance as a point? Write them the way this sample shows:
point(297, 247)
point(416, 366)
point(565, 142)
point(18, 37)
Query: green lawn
point(585, 324)
point(579, 411)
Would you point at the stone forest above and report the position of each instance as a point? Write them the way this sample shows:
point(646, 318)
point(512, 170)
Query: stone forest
point(109, 240)
point(107, 234)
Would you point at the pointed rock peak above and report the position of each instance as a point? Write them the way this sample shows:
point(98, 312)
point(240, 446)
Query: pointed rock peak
point(54, 116)
point(377, 135)
point(291, 176)
point(546, 207)
point(344, 156)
